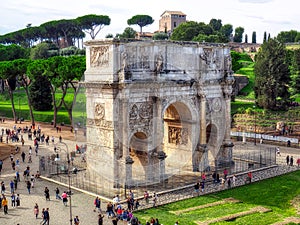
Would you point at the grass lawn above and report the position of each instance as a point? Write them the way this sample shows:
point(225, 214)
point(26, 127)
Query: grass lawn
point(22, 108)
point(274, 194)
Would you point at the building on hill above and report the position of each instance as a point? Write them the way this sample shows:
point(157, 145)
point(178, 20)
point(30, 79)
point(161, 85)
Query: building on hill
point(144, 35)
point(169, 20)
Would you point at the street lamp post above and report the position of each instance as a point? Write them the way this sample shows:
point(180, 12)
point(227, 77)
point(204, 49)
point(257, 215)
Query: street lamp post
point(69, 181)
point(254, 125)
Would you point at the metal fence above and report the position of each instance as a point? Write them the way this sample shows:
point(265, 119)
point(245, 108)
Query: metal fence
point(244, 159)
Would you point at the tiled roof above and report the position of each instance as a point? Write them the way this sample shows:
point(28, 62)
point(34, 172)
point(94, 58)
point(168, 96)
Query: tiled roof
point(173, 12)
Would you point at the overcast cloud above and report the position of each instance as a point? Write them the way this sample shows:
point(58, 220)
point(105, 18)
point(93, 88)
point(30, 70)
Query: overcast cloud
point(271, 16)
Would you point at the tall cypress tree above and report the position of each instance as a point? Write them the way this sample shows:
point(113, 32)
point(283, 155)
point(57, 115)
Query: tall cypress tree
point(246, 38)
point(254, 37)
point(265, 37)
point(272, 76)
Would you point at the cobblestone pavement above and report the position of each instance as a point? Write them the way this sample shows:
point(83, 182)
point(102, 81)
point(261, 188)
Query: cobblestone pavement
point(82, 203)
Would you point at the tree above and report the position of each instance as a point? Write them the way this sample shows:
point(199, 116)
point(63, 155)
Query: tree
point(128, 33)
point(160, 36)
point(20, 69)
point(265, 37)
point(272, 76)
point(40, 93)
point(295, 72)
point(92, 24)
point(7, 74)
point(226, 30)
point(246, 38)
point(109, 36)
point(12, 52)
point(71, 69)
point(41, 50)
point(253, 37)
point(216, 24)
point(287, 36)
point(186, 31)
point(140, 20)
point(238, 34)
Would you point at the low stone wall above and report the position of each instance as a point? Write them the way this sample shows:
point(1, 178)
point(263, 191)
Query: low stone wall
point(186, 192)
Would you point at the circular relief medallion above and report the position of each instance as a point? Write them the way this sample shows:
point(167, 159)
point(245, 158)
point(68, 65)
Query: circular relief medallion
point(99, 111)
point(145, 110)
point(216, 105)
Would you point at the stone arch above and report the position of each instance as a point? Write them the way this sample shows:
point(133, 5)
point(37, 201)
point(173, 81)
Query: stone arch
point(178, 141)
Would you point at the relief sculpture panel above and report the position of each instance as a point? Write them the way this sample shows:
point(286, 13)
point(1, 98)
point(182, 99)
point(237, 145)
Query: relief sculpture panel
point(178, 135)
point(100, 56)
point(140, 116)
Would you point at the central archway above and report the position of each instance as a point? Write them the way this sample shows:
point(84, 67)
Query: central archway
point(177, 136)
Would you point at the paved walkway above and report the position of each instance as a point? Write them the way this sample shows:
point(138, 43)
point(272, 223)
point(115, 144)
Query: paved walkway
point(82, 203)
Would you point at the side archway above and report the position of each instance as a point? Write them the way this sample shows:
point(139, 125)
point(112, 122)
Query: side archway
point(178, 127)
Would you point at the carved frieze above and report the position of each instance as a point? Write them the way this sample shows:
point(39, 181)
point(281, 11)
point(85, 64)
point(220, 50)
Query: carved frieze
point(100, 56)
point(103, 123)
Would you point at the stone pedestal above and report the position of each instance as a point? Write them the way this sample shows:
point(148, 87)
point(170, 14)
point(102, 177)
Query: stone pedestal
point(129, 161)
point(162, 167)
point(224, 158)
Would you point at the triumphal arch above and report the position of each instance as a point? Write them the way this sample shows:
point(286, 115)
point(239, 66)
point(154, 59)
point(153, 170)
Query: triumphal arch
point(156, 107)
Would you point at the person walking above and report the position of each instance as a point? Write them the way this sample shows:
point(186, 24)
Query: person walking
point(23, 154)
point(1, 165)
point(12, 186)
point(57, 196)
point(76, 220)
point(18, 200)
point(196, 188)
point(47, 194)
point(36, 210)
point(16, 183)
point(2, 187)
point(5, 205)
point(154, 199)
point(100, 219)
point(46, 217)
point(64, 197)
point(97, 203)
point(233, 180)
point(13, 200)
point(287, 160)
point(291, 161)
point(28, 184)
point(202, 186)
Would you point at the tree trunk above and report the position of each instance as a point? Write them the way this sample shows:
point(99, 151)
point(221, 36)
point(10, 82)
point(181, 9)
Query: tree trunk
point(29, 104)
point(69, 109)
point(11, 95)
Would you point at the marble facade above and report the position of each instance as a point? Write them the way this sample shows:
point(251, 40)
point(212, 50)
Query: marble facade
point(156, 107)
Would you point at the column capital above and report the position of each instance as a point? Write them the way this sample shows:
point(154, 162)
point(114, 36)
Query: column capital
point(129, 160)
point(161, 155)
point(202, 148)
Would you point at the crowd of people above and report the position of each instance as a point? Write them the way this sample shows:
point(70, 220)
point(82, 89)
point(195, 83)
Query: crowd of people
point(114, 210)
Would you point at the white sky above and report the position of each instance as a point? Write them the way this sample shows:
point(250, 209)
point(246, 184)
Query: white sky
point(271, 16)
